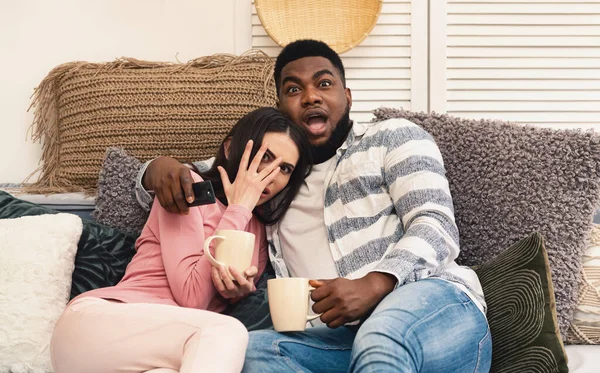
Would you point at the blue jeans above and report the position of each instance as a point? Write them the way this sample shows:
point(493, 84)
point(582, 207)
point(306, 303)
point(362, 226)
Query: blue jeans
point(429, 326)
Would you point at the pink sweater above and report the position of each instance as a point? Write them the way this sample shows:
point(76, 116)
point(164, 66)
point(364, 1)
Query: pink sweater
point(169, 266)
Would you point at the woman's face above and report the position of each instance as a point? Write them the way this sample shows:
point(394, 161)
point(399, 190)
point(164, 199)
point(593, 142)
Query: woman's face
point(280, 145)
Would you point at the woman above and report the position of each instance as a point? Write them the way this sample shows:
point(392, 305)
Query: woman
point(164, 313)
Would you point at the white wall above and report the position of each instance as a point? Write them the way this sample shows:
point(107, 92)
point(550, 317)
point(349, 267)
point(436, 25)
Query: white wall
point(37, 35)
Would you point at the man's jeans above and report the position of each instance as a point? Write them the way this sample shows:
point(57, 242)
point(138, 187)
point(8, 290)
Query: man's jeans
point(429, 326)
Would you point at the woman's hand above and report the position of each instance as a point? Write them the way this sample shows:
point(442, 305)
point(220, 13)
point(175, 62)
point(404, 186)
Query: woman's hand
point(249, 183)
point(229, 289)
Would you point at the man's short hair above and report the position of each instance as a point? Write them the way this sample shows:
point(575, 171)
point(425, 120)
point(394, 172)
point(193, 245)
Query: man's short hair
point(306, 48)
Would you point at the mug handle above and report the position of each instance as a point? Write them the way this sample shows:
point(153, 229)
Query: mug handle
point(312, 317)
point(208, 254)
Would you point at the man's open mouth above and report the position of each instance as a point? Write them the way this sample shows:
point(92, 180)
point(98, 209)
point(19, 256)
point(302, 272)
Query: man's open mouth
point(316, 121)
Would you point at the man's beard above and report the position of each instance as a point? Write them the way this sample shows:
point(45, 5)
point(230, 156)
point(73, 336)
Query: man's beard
point(322, 153)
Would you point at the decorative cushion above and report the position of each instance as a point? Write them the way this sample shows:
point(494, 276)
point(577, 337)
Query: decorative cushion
point(182, 110)
point(521, 310)
point(103, 252)
point(116, 204)
point(585, 327)
point(509, 180)
point(38, 255)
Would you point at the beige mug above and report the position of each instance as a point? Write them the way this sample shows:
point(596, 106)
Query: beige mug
point(234, 248)
point(288, 303)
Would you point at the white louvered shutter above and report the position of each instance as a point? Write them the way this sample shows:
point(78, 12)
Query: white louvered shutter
point(530, 61)
point(378, 71)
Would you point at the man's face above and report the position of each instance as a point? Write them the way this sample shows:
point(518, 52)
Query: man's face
point(312, 94)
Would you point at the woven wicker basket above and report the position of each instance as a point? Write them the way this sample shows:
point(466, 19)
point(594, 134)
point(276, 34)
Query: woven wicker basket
point(342, 24)
point(148, 108)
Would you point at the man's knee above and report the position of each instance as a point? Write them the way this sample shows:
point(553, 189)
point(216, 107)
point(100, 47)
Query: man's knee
point(384, 331)
point(383, 342)
point(260, 354)
point(379, 330)
point(260, 341)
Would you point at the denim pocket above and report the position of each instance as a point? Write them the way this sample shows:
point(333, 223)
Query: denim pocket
point(484, 358)
point(464, 297)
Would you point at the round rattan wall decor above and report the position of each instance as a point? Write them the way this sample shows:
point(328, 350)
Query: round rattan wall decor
point(342, 24)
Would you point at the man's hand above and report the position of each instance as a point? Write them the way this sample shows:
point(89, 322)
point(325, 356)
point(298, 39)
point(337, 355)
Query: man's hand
point(342, 301)
point(171, 182)
point(243, 285)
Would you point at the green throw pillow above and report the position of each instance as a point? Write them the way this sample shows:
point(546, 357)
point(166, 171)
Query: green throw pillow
point(102, 253)
point(518, 289)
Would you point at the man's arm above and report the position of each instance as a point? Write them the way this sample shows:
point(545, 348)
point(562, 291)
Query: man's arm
point(415, 178)
point(143, 196)
point(170, 181)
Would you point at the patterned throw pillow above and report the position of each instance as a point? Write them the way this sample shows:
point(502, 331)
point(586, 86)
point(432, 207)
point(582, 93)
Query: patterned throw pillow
point(102, 252)
point(585, 328)
point(521, 310)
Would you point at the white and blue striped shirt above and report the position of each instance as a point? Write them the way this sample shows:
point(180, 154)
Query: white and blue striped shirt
point(388, 209)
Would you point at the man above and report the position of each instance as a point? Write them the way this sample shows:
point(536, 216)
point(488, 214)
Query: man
point(373, 226)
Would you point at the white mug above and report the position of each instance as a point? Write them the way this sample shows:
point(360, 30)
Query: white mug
point(235, 249)
point(288, 303)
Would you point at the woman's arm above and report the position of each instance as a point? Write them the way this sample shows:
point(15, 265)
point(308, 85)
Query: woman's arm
point(181, 239)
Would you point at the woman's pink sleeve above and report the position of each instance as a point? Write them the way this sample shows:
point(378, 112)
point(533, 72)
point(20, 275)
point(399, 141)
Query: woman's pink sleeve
point(181, 239)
